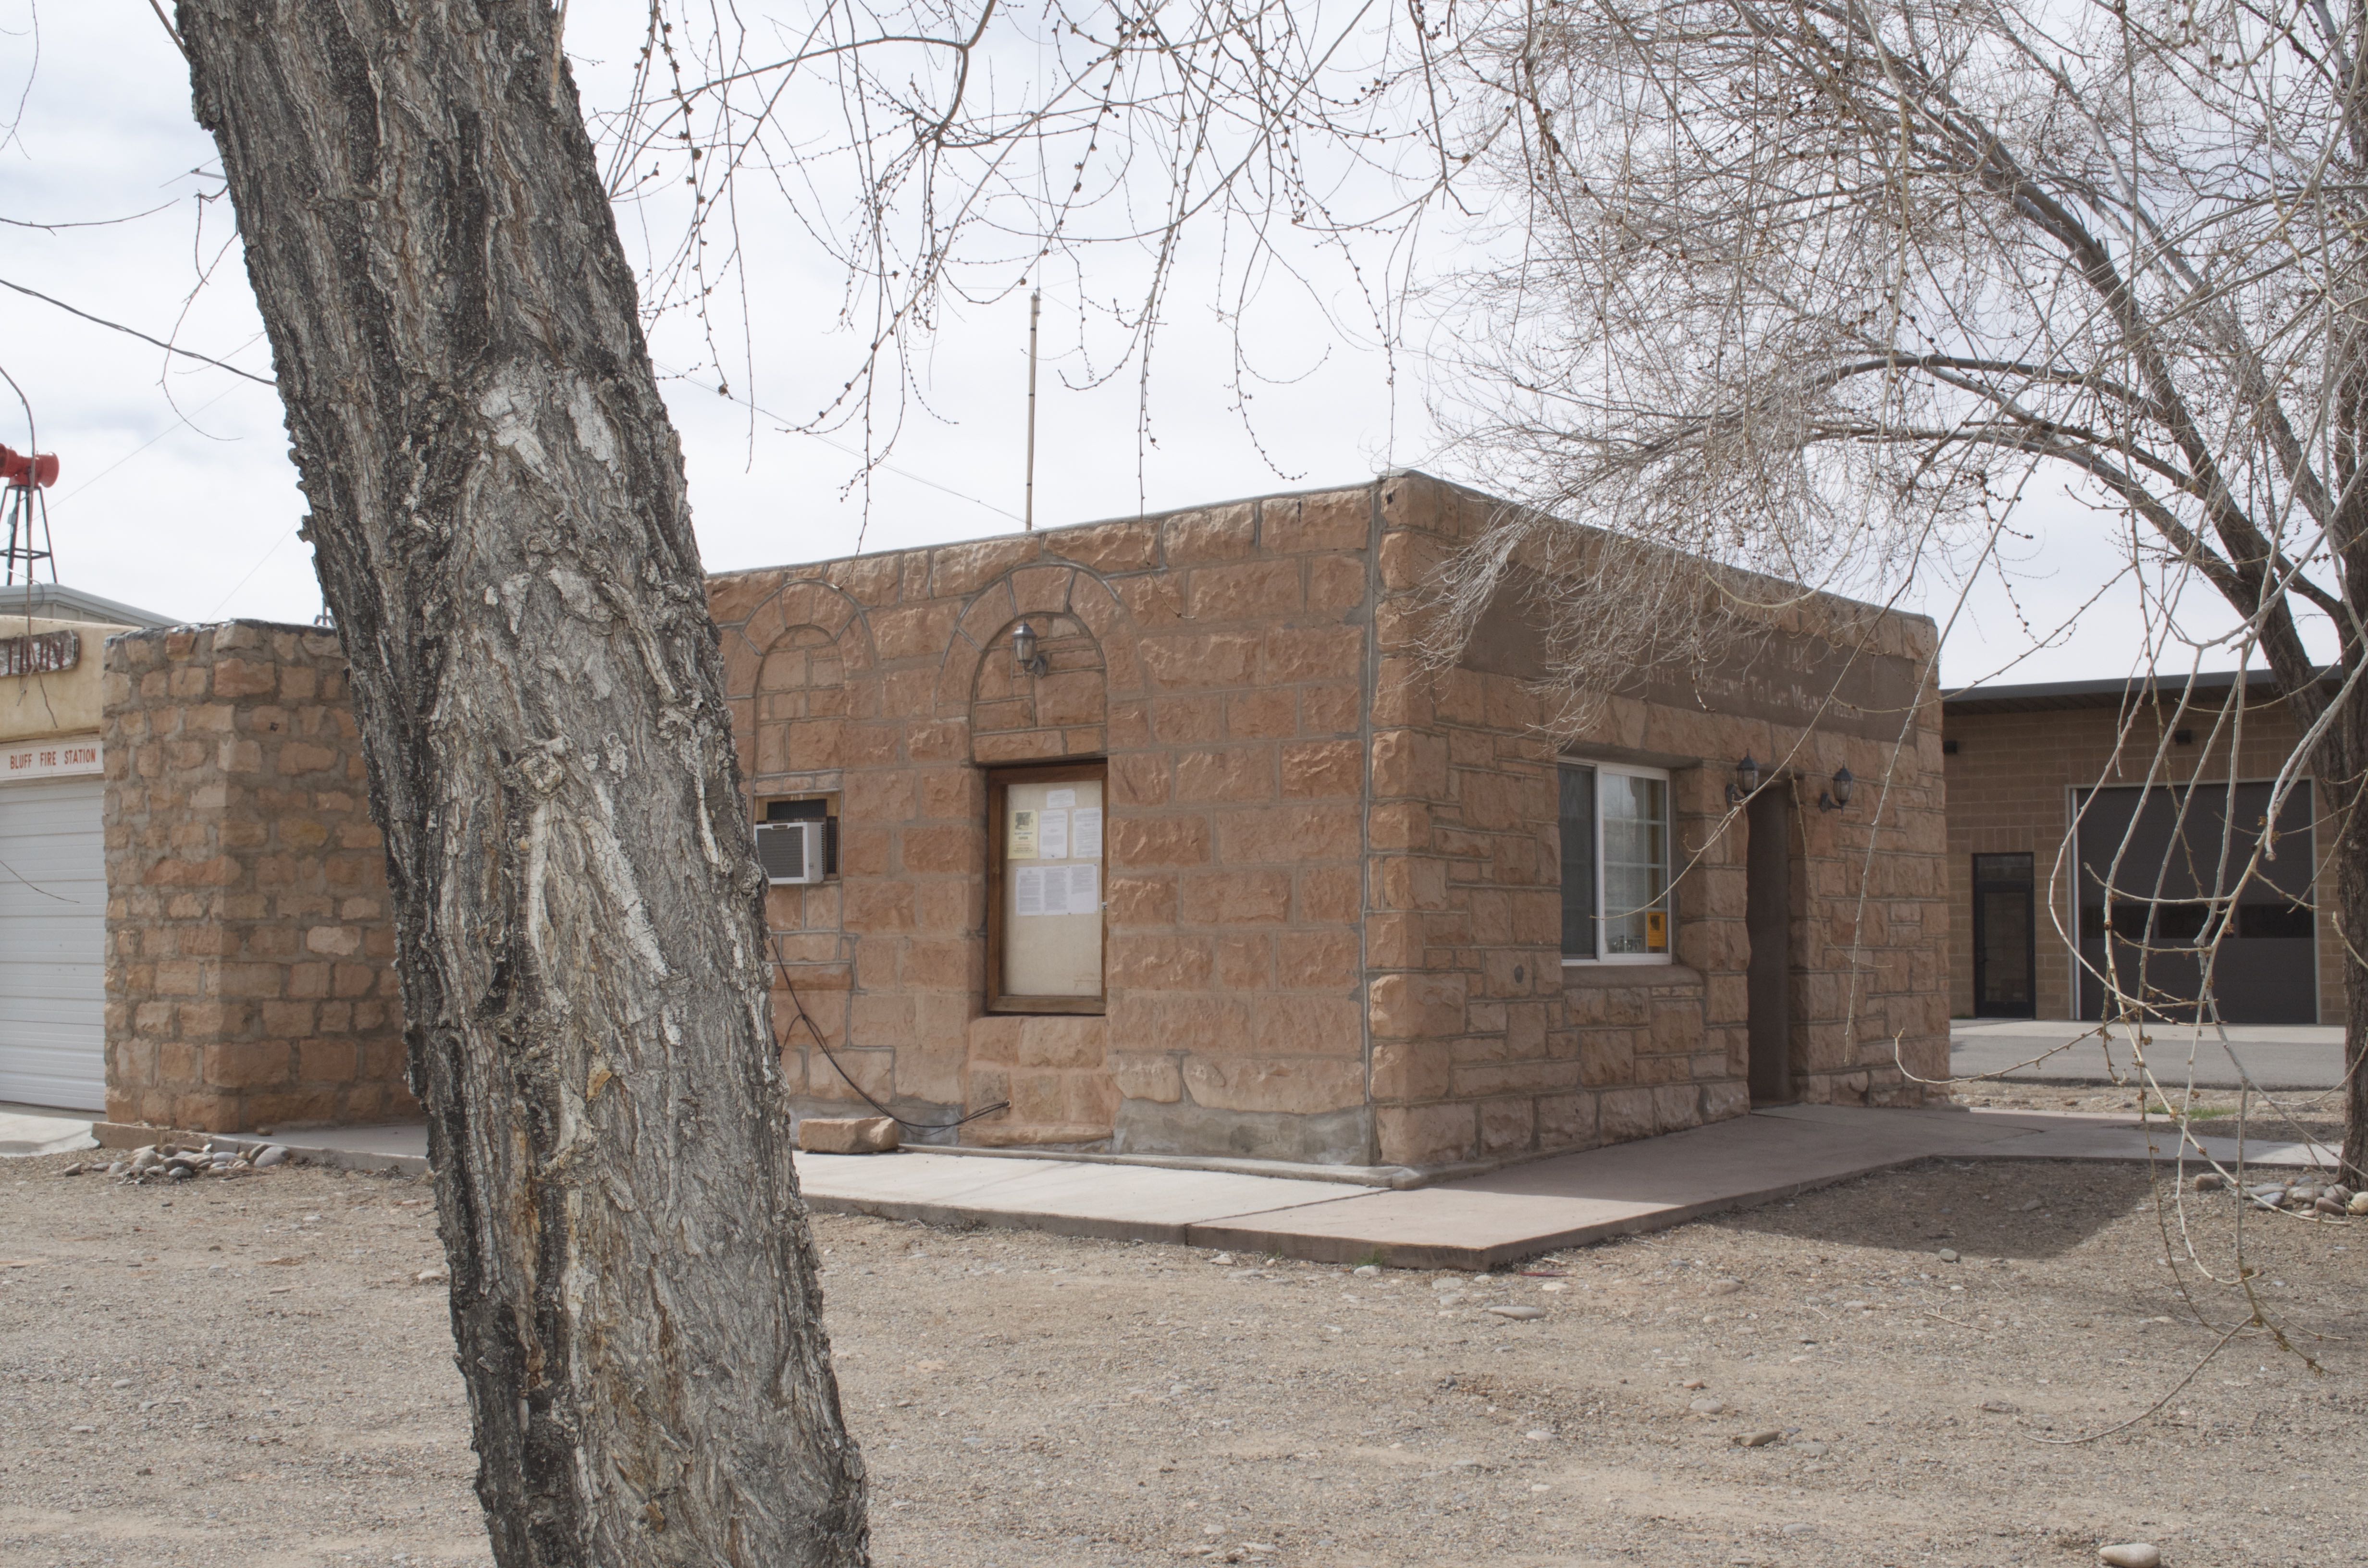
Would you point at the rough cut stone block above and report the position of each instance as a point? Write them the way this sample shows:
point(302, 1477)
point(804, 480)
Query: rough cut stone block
point(847, 1134)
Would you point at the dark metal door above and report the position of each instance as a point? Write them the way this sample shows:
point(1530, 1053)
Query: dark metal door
point(2157, 867)
point(2005, 931)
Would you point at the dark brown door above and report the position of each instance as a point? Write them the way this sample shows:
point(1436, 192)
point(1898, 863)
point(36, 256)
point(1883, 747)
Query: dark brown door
point(2005, 929)
point(1768, 919)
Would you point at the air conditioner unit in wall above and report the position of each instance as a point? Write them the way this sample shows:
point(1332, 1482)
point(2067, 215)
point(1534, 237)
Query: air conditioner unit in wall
point(790, 851)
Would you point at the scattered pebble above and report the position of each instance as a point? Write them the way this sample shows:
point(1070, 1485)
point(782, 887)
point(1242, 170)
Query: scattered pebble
point(1520, 1314)
point(2209, 1181)
point(1366, 1271)
point(1708, 1407)
point(2131, 1554)
point(1948, 1254)
point(1759, 1439)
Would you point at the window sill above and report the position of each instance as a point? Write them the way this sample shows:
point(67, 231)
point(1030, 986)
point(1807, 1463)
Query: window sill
point(1047, 1006)
point(1597, 973)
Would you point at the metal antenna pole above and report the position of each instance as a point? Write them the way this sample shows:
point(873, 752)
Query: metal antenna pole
point(1027, 518)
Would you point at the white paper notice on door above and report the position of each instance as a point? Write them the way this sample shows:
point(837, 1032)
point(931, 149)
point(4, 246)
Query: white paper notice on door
point(1085, 896)
point(1060, 798)
point(1089, 841)
point(1053, 834)
point(1028, 891)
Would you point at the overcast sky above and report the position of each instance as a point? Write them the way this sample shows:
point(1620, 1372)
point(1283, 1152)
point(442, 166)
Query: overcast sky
point(177, 495)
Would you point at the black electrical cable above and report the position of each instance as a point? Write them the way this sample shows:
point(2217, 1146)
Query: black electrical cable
point(795, 1001)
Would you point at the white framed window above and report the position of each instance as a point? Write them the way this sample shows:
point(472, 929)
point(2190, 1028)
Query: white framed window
point(1615, 863)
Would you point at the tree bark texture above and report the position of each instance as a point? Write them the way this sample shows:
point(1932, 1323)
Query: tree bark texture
point(499, 518)
point(2340, 765)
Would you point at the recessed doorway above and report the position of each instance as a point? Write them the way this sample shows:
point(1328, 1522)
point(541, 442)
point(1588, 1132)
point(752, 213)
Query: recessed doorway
point(1767, 921)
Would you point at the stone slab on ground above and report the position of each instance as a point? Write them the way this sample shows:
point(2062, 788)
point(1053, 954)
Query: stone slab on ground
point(848, 1134)
point(2276, 1056)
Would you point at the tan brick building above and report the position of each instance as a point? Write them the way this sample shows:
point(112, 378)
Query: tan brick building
point(2028, 871)
point(1210, 862)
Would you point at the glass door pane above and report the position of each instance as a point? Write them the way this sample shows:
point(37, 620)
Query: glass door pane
point(1051, 895)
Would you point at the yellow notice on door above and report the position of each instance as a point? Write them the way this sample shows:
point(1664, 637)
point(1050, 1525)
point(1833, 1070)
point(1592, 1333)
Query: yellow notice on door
point(1021, 845)
point(1656, 930)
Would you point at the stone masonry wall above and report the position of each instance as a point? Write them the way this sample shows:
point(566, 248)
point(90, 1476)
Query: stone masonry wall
point(1333, 919)
point(2010, 784)
point(249, 981)
point(1217, 659)
point(1484, 1044)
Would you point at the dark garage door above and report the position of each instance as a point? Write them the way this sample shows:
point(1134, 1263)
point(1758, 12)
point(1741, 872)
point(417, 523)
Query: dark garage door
point(2151, 913)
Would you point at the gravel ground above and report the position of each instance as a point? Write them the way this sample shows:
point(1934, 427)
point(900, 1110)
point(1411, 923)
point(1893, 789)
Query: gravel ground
point(2285, 1116)
point(248, 1372)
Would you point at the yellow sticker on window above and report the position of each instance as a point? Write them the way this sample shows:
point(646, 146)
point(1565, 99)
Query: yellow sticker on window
point(1657, 931)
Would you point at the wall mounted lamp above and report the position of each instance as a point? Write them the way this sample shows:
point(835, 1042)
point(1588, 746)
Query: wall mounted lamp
point(1837, 796)
point(1025, 657)
point(1746, 781)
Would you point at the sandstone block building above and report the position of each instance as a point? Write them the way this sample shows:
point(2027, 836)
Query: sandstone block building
point(249, 942)
point(1150, 837)
point(1337, 906)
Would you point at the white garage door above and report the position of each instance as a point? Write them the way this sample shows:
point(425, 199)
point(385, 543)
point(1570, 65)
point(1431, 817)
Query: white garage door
point(52, 944)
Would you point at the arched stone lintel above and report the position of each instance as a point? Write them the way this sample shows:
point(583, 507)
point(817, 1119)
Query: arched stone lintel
point(1049, 588)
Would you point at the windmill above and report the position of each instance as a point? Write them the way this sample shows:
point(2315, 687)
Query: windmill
point(26, 476)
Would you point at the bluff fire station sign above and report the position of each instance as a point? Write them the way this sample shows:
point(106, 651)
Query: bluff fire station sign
point(50, 759)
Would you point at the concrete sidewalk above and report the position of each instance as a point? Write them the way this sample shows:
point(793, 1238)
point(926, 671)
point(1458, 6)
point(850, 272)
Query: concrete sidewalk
point(2276, 1056)
point(1472, 1222)
point(1481, 1222)
point(29, 1130)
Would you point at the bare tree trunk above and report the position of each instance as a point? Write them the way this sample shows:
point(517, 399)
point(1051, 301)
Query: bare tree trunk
point(499, 515)
point(2339, 770)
